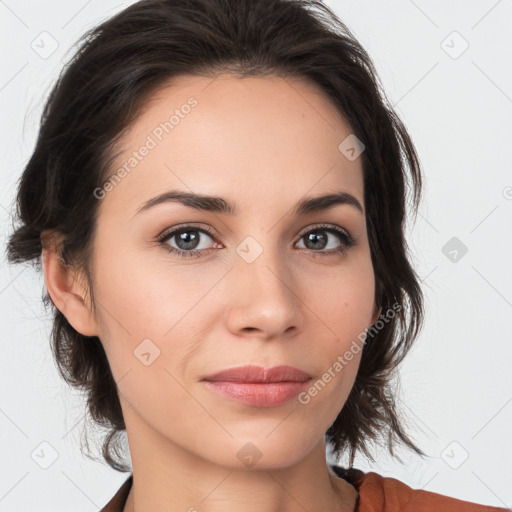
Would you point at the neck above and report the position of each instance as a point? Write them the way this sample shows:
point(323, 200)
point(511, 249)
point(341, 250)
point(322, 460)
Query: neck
point(210, 488)
point(286, 477)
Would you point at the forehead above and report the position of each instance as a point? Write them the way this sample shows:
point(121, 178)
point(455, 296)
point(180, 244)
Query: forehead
point(244, 138)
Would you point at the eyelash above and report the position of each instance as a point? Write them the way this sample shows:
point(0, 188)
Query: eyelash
point(346, 239)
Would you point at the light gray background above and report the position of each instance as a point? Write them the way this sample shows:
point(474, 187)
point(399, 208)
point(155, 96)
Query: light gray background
point(456, 384)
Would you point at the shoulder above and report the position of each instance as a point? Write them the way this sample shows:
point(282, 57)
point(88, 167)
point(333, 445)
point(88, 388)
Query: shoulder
point(379, 493)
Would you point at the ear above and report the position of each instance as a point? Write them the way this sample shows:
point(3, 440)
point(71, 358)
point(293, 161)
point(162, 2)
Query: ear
point(66, 289)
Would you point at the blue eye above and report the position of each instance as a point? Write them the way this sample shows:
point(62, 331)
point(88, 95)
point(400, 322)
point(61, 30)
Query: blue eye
point(189, 237)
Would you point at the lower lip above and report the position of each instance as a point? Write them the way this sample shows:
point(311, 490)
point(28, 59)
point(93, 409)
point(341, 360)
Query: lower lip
point(259, 394)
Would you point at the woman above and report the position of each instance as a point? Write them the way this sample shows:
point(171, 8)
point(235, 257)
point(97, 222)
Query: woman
point(217, 196)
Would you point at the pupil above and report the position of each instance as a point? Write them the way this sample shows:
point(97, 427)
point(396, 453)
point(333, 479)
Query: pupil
point(185, 237)
point(314, 238)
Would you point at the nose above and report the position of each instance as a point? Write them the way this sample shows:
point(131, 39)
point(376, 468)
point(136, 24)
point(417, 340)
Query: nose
point(264, 298)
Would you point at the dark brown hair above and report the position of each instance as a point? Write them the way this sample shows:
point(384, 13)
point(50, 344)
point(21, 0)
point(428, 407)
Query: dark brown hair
point(100, 92)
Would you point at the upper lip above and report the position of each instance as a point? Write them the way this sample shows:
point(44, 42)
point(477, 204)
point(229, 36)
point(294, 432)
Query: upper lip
point(251, 373)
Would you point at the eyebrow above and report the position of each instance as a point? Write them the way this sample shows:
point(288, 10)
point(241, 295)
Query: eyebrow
point(219, 205)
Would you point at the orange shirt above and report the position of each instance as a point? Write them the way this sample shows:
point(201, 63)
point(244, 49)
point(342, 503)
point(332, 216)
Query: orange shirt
point(376, 494)
point(387, 494)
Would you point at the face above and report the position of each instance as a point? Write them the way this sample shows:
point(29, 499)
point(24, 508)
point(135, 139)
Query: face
point(265, 284)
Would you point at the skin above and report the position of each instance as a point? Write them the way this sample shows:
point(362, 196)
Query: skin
point(263, 143)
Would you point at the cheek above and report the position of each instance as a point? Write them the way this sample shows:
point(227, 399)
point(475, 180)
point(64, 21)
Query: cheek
point(344, 297)
point(148, 297)
point(345, 305)
point(152, 320)
point(153, 311)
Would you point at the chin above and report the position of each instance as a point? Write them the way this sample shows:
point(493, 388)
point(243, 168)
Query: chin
point(263, 452)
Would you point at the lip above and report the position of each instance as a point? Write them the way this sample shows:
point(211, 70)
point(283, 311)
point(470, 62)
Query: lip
point(259, 374)
point(258, 386)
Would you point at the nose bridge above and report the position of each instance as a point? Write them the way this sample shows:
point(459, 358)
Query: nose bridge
point(265, 297)
point(263, 260)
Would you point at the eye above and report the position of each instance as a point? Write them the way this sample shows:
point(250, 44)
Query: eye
point(316, 239)
point(188, 240)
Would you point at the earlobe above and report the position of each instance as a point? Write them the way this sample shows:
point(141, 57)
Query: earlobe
point(67, 293)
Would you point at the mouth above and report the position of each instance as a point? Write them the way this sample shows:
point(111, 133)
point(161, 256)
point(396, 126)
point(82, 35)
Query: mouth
point(258, 374)
point(257, 386)
point(270, 394)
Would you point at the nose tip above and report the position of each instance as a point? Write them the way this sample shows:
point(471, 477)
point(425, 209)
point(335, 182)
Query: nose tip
point(262, 301)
